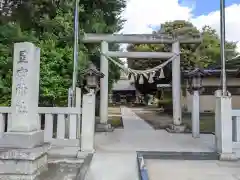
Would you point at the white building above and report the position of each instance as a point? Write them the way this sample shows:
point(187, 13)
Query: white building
point(211, 84)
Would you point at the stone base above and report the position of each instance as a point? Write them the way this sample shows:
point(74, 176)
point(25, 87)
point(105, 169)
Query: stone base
point(228, 157)
point(104, 128)
point(24, 164)
point(24, 177)
point(22, 139)
point(23, 154)
point(87, 151)
point(83, 154)
point(22, 167)
point(176, 128)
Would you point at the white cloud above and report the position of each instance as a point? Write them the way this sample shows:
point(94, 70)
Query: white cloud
point(141, 14)
point(232, 22)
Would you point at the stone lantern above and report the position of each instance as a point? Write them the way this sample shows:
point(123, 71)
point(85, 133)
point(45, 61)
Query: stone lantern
point(194, 79)
point(92, 76)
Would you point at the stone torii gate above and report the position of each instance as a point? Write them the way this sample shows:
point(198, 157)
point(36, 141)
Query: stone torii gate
point(104, 39)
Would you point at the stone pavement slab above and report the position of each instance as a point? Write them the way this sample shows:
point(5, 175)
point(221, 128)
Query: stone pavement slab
point(192, 170)
point(132, 122)
point(160, 140)
point(113, 166)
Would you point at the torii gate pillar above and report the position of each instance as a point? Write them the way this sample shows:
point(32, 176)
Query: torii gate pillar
point(176, 86)
point(104, 84)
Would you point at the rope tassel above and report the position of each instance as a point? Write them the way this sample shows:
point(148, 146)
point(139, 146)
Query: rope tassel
point(150, 80)
point(145, 75)
point(161, 76)
point(141, 80)
point(132, 79)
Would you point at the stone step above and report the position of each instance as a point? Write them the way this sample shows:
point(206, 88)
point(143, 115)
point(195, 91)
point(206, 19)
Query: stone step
point(61, 170)
point(68, 152)
point(104, 128)
point(55, 160)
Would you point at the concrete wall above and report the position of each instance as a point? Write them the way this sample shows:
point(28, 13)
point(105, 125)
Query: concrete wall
point(207, 102)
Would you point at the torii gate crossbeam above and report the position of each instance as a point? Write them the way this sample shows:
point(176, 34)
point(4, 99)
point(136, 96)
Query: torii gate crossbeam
point(137, 55)
point(139, 38)
point(104, 39)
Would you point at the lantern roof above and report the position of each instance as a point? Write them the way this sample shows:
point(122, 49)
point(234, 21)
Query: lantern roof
point(197, 72)
point(92, 70)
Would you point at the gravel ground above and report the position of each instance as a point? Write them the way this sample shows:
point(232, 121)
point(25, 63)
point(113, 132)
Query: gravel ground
point(161, 120)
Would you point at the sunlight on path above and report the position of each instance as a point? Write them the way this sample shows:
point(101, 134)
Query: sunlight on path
point(132, 122)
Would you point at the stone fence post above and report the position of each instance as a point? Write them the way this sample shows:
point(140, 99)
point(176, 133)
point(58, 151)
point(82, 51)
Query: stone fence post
point(88, 122)
point(223, 126)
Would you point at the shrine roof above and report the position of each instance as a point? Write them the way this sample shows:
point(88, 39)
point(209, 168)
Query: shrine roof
point(123, 85)
point(212, 73)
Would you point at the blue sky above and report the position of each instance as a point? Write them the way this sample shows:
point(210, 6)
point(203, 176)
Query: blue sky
point(204, 7)
point(144, 16)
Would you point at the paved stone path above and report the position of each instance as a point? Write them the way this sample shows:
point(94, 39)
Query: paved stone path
point(132, 122)
point(115, 157)
point(113, 166)
point(137, 135)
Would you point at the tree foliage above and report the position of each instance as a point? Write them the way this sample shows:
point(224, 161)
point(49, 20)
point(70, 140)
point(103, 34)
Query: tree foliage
point(49, 24)
point(204, 55)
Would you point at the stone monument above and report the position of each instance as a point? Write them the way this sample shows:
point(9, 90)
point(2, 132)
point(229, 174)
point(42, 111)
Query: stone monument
point(23, 153)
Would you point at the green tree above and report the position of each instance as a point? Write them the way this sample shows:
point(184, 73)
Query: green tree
point(204, 55)
point(9, 33)
point(49, 24)
point(209, 50)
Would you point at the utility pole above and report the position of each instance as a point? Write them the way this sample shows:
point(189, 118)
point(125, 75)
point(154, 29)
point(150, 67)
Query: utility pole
point(222, 46)
point(75, 52)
